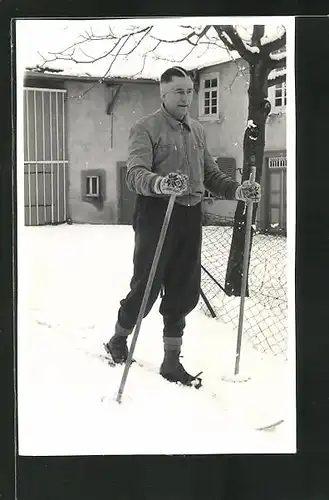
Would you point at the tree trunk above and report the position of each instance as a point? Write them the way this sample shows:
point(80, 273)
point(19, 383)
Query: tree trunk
point(253, 153)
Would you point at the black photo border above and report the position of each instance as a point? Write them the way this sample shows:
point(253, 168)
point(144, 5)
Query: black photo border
point(302, 475)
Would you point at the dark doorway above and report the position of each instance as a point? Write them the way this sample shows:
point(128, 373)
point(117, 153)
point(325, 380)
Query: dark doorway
point(126, 197)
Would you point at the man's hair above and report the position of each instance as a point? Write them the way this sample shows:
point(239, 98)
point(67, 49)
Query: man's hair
point(168, 75)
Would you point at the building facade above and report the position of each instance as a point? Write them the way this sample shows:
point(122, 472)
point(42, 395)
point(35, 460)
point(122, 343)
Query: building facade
point(76, 135)
point(223, 111)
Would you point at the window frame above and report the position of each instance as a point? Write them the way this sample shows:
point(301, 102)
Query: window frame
point(201, 96)
point(272, 97)
point(101, 185)
point(89, 186)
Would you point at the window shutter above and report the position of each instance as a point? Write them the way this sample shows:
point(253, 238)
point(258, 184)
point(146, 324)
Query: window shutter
point(227, 165)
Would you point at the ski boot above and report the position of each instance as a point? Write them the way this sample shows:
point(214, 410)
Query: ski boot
point(117, 348)
point(172, 370)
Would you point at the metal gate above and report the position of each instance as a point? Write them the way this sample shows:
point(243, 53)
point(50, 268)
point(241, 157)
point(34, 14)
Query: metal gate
point(45, 156)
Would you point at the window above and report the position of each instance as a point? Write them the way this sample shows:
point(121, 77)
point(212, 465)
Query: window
point(92, 186)
point(208, 96)
point(277, 162)
point(280, 95)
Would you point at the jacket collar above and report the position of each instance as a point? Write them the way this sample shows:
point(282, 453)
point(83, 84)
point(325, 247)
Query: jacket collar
point(173, 122)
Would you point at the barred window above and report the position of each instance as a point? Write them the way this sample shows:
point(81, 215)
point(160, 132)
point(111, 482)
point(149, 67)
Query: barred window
point(92, 185)
point(277, 162)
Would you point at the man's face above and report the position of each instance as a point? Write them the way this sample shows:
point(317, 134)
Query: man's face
point(178, 98)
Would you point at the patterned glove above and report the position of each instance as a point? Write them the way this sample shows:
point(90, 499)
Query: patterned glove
point(172, 183)
point(248, 191)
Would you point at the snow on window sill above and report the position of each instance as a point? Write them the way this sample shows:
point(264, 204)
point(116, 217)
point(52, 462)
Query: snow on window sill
point(278, 110)
point(92, 195)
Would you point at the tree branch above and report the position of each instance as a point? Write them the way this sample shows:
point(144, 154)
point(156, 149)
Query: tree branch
point(233, 41)
point(105, 75)
point(64, 55)
point(139, 41)
point(277, 80)
point(223, 37)
point(143, 66)
point(186, 38)
point(278, 63)
point(277, 44)
point(257, 34)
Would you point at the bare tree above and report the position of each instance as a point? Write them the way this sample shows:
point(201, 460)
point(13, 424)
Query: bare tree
point(256, 50)
point(261, 61)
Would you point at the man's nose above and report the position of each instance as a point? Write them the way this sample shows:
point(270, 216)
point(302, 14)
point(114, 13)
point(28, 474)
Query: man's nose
point(184, 98)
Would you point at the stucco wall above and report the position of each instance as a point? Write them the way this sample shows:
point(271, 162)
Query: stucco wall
point(225, 135)
point(98, 140)
point(133, 103)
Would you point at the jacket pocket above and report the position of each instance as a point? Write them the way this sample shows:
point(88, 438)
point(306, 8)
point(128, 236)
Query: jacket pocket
point(165, 152)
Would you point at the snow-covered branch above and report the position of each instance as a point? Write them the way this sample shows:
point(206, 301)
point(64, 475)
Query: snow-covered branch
point(257, 34)
point(68, 54)
point(278, 55)
point(278, 63)
point(101, 80)
point(277, 78)
point(223, 37)
point(186, 38)
point(233, 41)
point(276, 44)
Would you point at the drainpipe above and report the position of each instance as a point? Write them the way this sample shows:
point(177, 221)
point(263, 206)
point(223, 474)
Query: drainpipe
point(110, 105)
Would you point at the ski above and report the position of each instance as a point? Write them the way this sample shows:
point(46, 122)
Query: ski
point(270, 427)
point(196, 382)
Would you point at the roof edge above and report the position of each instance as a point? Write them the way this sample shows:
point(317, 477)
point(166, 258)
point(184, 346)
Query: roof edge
point(86, 78)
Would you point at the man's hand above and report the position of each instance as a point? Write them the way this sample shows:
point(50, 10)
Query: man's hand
point(172, 183)
point(248, 192)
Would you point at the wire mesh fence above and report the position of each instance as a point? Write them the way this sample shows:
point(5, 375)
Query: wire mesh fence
point(266, 308)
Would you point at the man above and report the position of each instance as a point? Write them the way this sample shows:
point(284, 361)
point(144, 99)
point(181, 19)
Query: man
point(165, 146)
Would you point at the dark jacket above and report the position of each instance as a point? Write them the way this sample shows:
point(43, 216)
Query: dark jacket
point(160, 144)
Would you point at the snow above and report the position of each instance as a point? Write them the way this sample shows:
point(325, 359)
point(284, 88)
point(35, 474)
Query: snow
point(268, 38)
point(253, 49)
point(71, 281)
point(278, 56)
point(39, 39)
point(275, 73)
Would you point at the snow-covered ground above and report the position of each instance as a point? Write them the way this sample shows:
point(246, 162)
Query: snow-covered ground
point(71, 279)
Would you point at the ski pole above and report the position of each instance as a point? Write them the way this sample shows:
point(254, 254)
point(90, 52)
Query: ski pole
point(244, 274)
point(147, 293)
